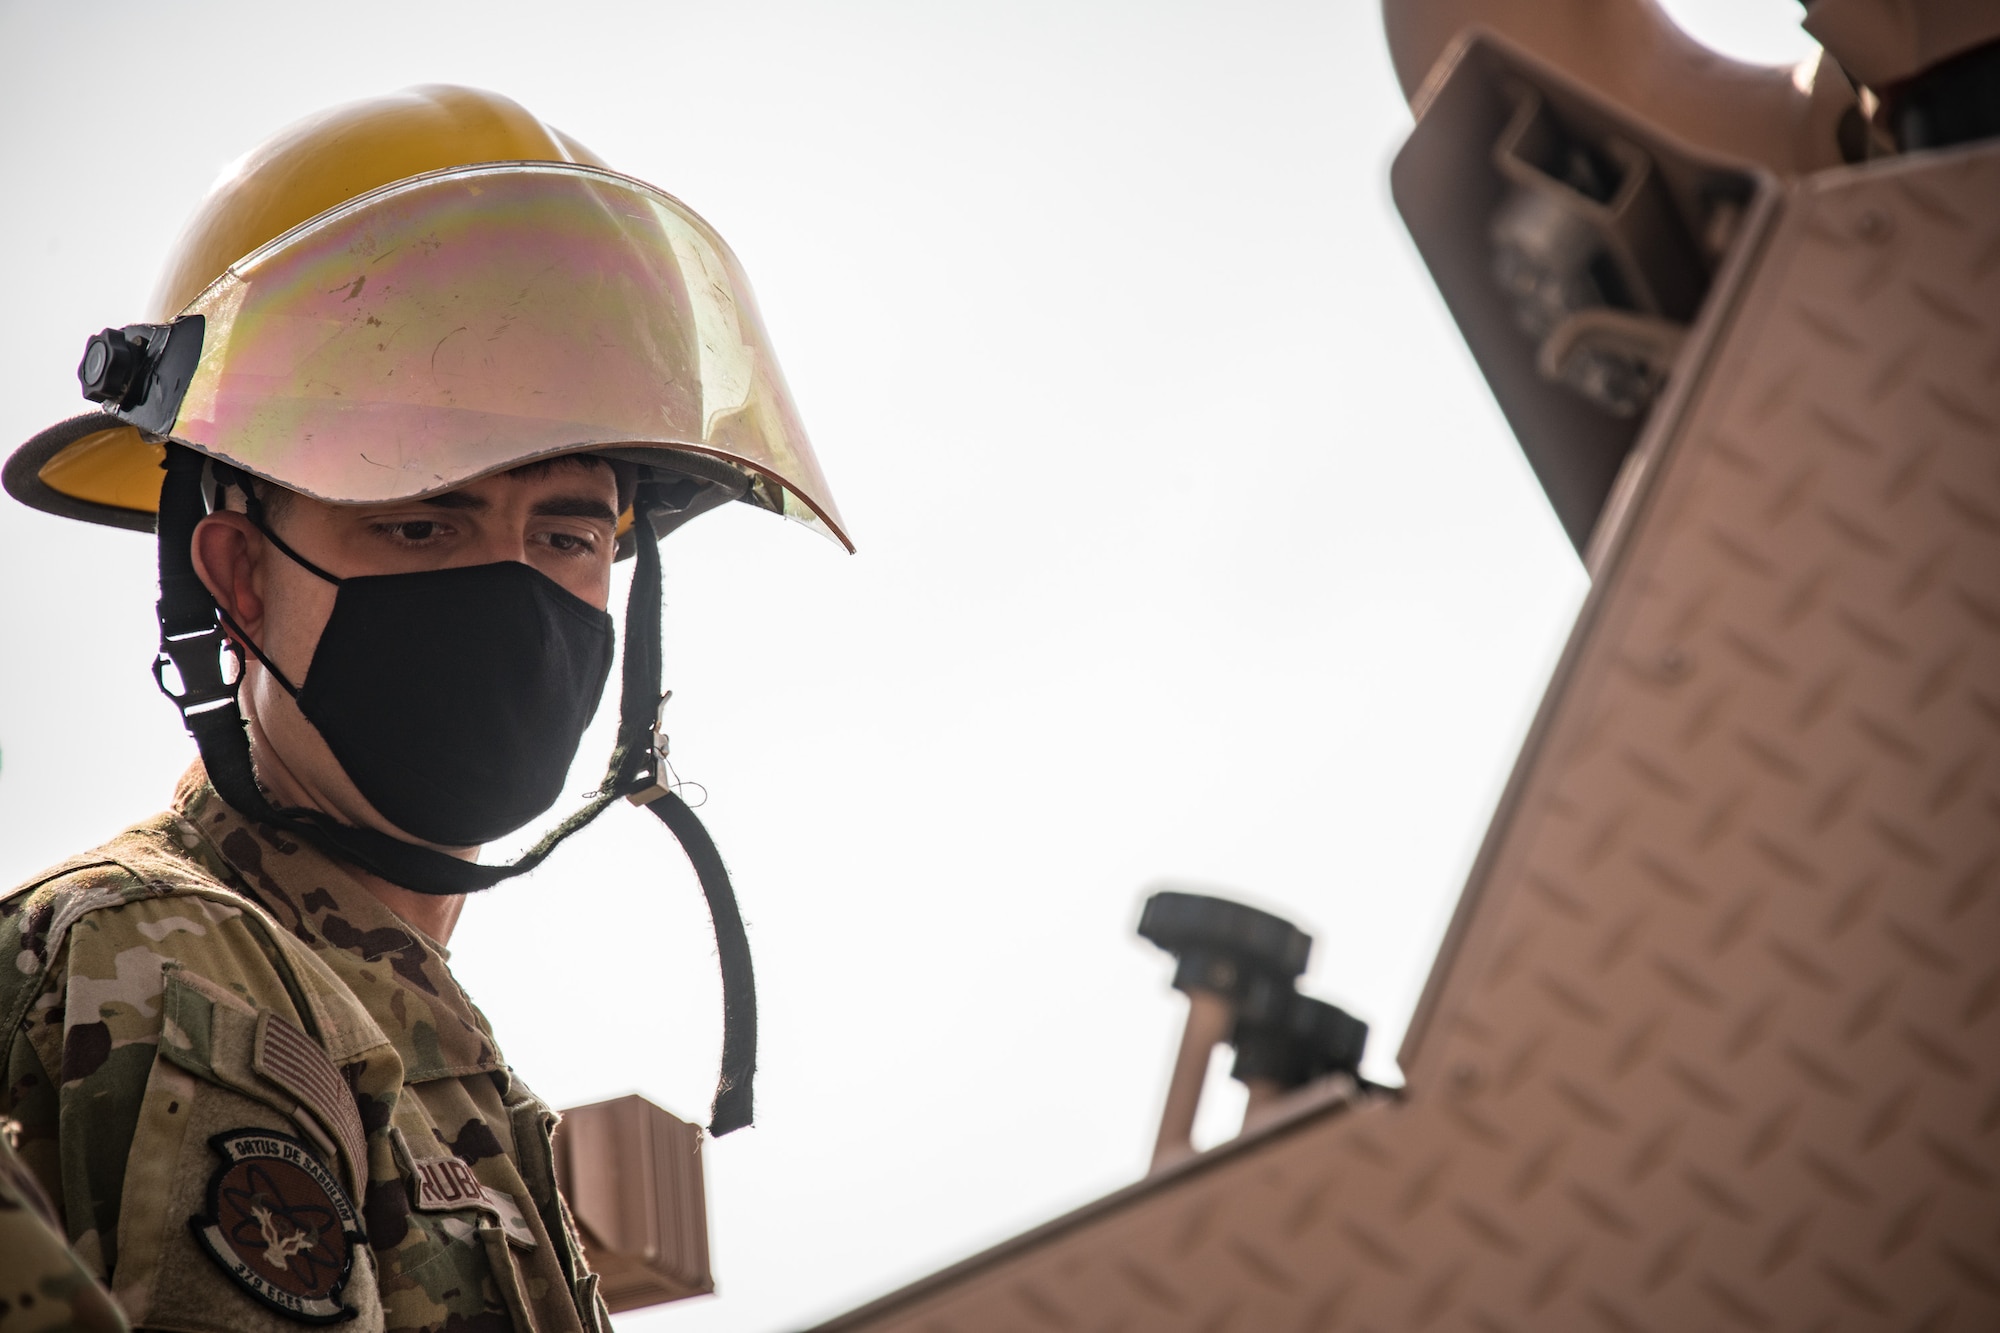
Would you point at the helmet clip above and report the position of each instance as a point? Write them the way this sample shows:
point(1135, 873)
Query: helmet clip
point(197, 660)
point(657, 788)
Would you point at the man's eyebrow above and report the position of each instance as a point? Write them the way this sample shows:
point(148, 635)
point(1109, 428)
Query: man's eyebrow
point(457, 500)
point(573, 506)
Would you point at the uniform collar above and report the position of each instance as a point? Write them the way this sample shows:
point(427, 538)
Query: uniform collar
point(397, 972)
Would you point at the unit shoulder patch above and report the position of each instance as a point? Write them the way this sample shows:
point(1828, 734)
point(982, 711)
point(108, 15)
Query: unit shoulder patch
point(279, 1225)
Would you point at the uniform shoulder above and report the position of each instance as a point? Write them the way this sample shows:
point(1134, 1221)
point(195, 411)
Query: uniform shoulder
point(146, 868)
point(156, 896)
point(148, 860)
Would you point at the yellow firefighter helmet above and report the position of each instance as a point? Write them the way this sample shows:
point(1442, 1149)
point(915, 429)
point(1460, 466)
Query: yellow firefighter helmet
point(403, 294)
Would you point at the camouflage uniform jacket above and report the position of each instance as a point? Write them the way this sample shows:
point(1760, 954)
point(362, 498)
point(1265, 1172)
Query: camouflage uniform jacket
point(42, 1286)
point(259, 1099)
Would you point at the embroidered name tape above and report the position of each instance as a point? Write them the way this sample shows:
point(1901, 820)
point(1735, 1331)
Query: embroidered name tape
point(446, 1185)
point(279, 1225)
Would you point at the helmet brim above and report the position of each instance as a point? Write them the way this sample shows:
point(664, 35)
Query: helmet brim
point(71, 442)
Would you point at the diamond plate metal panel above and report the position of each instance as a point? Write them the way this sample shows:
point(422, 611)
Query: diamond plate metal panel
point(1717, 1043)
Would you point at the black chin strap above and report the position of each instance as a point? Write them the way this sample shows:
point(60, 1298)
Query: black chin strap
point(733, 1091)
point(193, 642)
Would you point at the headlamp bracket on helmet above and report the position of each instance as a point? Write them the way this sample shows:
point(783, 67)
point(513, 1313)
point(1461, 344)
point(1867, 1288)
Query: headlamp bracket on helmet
point(142, 371)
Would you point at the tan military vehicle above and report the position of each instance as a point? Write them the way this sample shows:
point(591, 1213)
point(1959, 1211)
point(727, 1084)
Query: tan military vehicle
point(1713, 1041)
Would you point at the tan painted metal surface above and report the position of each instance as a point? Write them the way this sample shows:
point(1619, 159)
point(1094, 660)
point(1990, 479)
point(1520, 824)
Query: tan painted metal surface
point(631, 1173)
point(1451, 183)
point(1715, 1042)
point(1634, 56)
point(1882, 42)
point(1208, 1022)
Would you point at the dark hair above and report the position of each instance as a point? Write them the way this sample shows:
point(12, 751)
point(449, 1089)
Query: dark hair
point(623, 474)
point(268, 500)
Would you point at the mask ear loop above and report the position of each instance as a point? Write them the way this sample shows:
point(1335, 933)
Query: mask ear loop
point(225, 476)
point(192, 642)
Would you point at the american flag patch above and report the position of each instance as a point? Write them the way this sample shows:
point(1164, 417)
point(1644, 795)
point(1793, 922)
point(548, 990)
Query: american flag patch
point(294, 1061)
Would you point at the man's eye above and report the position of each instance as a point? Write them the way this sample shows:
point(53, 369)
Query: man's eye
point(414, 531)
point(570, 543)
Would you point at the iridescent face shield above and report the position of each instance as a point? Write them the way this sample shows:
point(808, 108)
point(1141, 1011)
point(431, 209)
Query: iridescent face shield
point(445, 327)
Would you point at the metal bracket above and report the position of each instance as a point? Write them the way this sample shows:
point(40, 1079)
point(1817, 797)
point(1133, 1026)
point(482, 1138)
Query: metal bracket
point(661, 745)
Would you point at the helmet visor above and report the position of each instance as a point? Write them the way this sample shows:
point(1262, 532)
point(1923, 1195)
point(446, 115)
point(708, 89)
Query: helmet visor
point(466, 321)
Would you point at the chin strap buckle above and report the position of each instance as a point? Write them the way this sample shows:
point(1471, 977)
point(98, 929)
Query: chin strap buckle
point(197, 659)
point(661, 770)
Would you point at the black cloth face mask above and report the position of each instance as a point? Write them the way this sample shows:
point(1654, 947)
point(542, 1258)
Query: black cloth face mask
point(454, 699)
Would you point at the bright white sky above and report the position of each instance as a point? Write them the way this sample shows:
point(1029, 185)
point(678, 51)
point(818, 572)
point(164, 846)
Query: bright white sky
point(1192, 548)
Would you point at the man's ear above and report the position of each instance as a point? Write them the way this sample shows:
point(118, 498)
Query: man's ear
point(228, 552)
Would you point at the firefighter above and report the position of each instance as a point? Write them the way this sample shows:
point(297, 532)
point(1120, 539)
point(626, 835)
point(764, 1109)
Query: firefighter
point(420, 368)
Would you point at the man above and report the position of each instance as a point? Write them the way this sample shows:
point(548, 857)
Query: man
point(421, 367)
